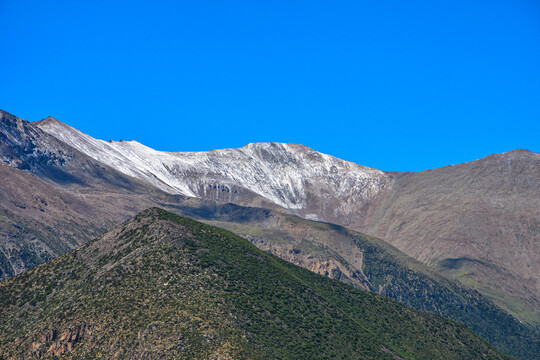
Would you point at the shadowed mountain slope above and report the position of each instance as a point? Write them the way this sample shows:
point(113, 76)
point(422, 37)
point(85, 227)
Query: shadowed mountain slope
point(164, 286)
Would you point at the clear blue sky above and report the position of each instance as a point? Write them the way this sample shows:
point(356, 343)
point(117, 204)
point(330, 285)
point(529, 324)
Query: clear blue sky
point(396, 85)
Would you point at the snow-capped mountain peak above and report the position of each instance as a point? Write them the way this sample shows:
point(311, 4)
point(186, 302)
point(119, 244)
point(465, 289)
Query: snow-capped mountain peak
point(290, 176)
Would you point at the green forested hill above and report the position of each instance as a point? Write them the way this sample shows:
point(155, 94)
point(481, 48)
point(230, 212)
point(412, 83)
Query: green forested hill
point(372, 264)
point(163, 286)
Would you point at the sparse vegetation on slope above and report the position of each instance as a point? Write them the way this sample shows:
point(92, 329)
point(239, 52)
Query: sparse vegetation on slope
point(370, 263)
point(164, 286)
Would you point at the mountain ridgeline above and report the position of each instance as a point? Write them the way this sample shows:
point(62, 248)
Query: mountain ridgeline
point(54, 198)
point(163, 286)
point(476, 222)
